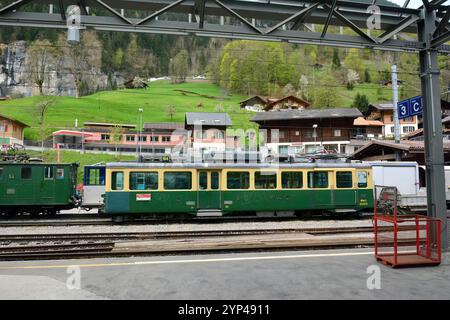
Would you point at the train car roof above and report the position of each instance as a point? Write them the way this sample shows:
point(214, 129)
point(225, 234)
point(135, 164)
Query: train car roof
point(235, 165)
point(393, 163)
point(2, 163)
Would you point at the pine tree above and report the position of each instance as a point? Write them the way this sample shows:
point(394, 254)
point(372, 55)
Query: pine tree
point(367, 78)
point(361, 102)
point(336, 60)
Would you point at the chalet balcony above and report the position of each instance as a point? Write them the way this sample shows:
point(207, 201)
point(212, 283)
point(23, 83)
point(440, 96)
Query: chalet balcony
point(298, 139)
point(367, 136)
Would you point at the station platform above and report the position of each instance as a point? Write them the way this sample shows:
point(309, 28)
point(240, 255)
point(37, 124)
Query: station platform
point(321, 274)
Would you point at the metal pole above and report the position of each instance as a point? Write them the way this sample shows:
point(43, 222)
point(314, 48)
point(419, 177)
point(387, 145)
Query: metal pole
point(140, 132)
point(140, 135)
point(137, 140)
point(432, 125)
point(395, 111)
point(394, 102)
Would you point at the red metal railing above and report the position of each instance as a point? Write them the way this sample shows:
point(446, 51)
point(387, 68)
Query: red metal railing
point(407, 239)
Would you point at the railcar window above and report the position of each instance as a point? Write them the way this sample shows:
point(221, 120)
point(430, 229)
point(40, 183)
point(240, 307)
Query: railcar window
point(292, 180)
point(214, 180)
point(144, 181)
point(238, 180)
point(25, 173)
point(1, 173)
point(203, 180)
point(318, 179)
point(177, 180)
point(362, 179)
point(48, 173)
point(265, 180)
point(94, 177)
point(60, 173)
point(344, 179)
point(117, 180)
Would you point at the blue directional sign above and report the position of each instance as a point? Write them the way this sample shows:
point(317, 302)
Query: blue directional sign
point(410, 107)
point(403, 108)
point(416, 105)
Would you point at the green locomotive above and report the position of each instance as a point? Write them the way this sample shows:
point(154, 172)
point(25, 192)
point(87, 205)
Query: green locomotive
point(221, 189)
point(37, 188)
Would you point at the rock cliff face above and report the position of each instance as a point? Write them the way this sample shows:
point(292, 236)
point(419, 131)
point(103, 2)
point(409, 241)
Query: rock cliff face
point(12, 60)
point(15, 80)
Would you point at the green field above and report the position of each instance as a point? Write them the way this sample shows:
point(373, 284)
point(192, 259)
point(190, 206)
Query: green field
point(348, 96)
point(122, 106)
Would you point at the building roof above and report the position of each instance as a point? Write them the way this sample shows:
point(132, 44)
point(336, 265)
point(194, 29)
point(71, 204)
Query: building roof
point(208, 118)
point(108, 130)
point(360, 121)
point(164, 125)
point(235, 165)
point(446, 119)
point(404, 145)
point(72, 133)
point(14, 120)
point(271, 101)
point(299, 100)
point(383, 106)
point(419, 132)
point(254, 97)
point(104, 124)
point(307, 114)
point(358, 143)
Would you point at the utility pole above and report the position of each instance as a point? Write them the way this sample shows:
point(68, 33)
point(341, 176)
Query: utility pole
point(395, 111)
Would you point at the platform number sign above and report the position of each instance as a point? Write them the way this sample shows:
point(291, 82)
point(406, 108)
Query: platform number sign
point(410, 107)
point(403, 108)
point(416, 105)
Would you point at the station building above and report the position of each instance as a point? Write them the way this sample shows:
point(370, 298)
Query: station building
point(201, 132)
point(155, 137)
point(11, 131)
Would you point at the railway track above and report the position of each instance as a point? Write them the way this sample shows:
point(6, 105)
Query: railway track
point(93, 220)
point(87, 245)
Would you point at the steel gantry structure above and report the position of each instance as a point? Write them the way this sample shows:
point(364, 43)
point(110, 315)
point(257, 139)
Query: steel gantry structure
point(424, 30)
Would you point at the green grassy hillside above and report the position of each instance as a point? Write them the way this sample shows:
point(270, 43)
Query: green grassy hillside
point(122, 106)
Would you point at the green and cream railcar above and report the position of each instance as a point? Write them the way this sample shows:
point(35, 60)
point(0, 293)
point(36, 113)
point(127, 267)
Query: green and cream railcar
point(220, 189)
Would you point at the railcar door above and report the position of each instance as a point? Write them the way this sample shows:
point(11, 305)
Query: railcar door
point(320, 182)
point(47, 184)
point(344, 192)
point(209, 193)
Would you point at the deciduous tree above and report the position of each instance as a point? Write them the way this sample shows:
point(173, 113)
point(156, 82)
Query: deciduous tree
point(171, 111)
point(40, 61)
point(82, 60)
point(179, 66)
point(41, 108)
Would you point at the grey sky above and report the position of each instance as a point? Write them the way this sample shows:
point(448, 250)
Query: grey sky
point(413, 3)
